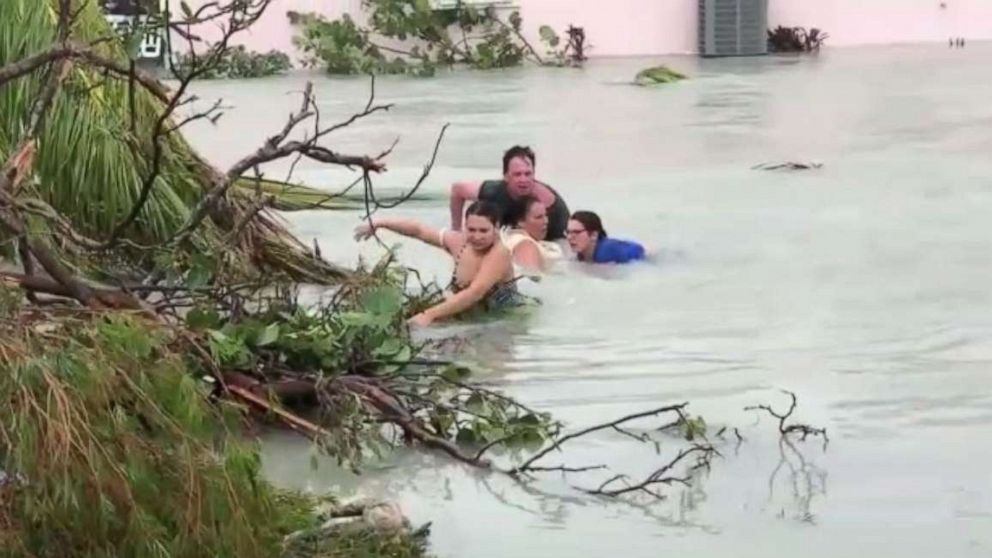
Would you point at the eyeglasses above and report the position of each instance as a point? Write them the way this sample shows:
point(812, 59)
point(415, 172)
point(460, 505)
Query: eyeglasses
point(572, 232)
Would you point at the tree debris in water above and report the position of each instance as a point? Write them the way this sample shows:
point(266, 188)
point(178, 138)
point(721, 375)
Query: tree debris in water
point(657, 75)
point(789, 165)
point(142, 350)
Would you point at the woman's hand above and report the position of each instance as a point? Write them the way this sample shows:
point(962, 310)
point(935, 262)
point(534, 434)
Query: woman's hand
point(363, 231)
point(422, 319)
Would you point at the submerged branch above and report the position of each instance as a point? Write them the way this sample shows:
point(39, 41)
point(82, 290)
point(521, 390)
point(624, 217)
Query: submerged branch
point(556, 444)
point(786, 429)
point(657, 477)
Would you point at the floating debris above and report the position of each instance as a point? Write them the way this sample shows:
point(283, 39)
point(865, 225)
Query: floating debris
point(656, 75)
point(790, 165)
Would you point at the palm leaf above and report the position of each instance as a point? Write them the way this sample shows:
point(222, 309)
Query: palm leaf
point(92, 159)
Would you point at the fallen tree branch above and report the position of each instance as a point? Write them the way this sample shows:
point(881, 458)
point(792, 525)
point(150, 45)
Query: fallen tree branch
point(557, 443)
point(392, 411)
point(30, 64)
point(275, 147)
point(657, 477)
point(111, 298)
point(293, 421)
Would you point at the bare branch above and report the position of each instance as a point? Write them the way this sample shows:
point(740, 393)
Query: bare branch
point(657, 477)
point(565, 469)
point(275, 148)
point(370, 194)
point(161, 131)
point(643, 437)
point(556, 444)
point(784, 429)
point(25, 66)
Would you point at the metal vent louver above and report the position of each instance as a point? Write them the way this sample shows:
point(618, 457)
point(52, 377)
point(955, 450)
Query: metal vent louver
point(733, 27)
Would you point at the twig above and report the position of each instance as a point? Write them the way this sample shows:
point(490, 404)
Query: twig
point(565, 469)
point(161, 132)
point(642, 438)
point(559, 441)
point(29, 64)
point(658, 476)
point(274, 148)
point(805, 429)
point(423, 176)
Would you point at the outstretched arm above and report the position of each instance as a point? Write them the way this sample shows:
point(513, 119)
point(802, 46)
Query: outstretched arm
point(405, 227)
point(460, 192)
point(494, 267)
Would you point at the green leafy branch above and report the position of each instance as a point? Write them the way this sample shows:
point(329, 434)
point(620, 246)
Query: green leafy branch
point(411, 37)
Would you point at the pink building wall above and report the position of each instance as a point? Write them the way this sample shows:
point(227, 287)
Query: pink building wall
point(648, 27)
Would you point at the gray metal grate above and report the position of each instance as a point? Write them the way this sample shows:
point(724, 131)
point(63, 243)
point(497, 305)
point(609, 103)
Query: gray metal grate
point(733, 27)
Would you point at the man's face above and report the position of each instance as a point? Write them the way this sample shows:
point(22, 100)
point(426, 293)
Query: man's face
point(519, 177)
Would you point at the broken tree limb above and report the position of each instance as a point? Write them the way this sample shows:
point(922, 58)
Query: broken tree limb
point(394, 412)
point(659, 476)
point(556, 444)
point(110, 298)
point(290, 419)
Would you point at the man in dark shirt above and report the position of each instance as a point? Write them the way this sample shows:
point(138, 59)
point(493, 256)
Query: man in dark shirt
point(518, 181)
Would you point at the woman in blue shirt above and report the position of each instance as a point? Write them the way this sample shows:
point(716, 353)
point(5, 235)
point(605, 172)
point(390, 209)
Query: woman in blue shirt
point(588, 240)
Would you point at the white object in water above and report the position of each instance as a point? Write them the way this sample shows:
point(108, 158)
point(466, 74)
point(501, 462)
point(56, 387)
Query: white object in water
point(385, 516)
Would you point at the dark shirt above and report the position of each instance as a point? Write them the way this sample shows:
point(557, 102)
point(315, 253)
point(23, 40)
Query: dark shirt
point(612, 250)
point(495, 191)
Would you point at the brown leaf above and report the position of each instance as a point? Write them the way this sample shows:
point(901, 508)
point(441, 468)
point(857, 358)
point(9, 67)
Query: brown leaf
point(20, 163)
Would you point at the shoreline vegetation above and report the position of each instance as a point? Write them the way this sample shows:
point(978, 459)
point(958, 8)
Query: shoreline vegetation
point(151, 318)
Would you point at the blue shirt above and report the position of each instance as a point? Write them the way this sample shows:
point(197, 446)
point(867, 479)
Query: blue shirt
point(612, 250)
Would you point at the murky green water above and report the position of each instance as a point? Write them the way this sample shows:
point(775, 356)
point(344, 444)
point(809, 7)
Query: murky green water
point(864, 287)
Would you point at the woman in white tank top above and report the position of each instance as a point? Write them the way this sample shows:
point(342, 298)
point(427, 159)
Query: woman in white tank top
point(527, 226)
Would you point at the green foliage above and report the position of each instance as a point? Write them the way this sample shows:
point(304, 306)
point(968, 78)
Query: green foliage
point(498, 50)
point(475, 417)
point(92, 159)
point(237, 63)
point(656, 75)
point(341, 46)
point(118, 451)
point(357, 541)
point(11, 300)
point(365, 333)
point(692, 428)
point(88, 146)
point(113, 447)
point(424, 38)
point(362, 334)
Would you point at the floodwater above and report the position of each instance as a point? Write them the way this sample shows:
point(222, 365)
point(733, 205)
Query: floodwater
point(863, 287)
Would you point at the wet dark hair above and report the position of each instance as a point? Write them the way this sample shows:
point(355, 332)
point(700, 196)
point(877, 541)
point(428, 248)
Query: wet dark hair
point(518, 210)
point(590, 221)
point(518, 151)
point(486, 209)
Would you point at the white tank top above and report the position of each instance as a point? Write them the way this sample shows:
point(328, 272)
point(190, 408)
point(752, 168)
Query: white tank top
point(550, 251)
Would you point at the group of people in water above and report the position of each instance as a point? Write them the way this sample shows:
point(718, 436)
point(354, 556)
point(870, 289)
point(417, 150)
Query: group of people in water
point(516, 222)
